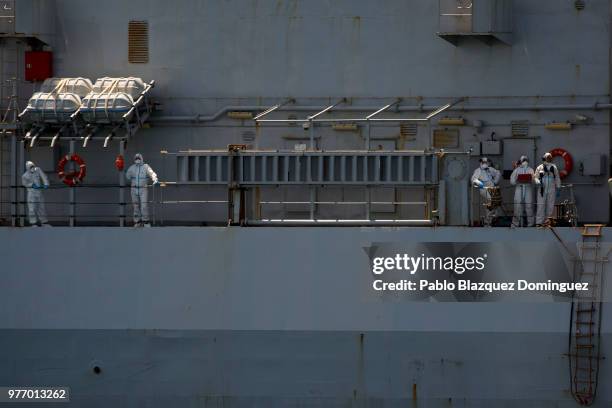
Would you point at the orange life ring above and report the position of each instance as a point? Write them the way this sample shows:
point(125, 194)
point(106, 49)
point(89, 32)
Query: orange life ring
point(567, 160)
point(74, 177)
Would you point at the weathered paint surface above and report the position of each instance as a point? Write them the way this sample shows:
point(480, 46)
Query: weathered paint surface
point(212, 316)
point(243, 317)
point(207, 55)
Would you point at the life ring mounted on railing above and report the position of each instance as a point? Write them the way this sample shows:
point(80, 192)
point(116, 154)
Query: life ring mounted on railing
point(71, 178)
point(567, 160)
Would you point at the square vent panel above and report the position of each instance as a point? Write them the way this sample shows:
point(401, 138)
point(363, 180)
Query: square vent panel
point(138, 42)
point(486, 20)
point(520, 128)
point(445, 138)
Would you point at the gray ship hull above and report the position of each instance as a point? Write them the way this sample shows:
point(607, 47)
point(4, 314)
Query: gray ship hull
point(238, 317)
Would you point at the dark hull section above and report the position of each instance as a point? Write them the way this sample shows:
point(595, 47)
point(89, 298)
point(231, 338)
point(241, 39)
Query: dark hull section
point(194, 368)
point(277, 317)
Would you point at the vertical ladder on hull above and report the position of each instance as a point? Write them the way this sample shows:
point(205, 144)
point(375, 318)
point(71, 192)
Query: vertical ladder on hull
point(585, 353)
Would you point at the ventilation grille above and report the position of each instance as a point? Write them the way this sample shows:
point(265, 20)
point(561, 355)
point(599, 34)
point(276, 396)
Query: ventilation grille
point(408, 131)
point(445, 138)
point(138, 42)
point(520, 128)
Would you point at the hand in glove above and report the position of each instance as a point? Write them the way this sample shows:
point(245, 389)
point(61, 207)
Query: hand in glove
point(478, 184)
point(156, 181)
point(35, 186)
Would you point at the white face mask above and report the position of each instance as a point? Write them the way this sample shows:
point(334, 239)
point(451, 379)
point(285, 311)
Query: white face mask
point(524, 164)
point(137, 161)
point(484, 166)
point(33, 169)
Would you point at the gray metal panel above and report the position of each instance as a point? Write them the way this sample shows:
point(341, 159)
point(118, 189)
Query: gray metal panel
point(332, 168)
point(213, 270)
point(7, 16)
point(281, 67)
point(515, 148)
point(456, 16)
point(36, 18)
point(492, 147)
point(534, 71)
point(594, 165)
point(456, 173)
point(282, 368)
point(492, 16)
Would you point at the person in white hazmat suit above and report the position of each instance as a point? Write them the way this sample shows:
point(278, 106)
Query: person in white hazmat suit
point(547, 182)
point(138, 174)
point(483, 178)
point(35, 180)
point(522, 178)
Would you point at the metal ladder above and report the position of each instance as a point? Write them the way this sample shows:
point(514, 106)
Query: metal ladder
point(585, 326)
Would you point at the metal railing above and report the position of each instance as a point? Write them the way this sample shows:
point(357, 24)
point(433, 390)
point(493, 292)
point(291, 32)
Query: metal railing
point(566, 210)
point(80, 206)
point(107, 212)
point(66, 209)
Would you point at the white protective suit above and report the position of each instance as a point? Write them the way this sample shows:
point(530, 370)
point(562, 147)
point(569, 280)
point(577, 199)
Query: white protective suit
point(523, 197)
point(138, 175)
point(34, 179)
point(488, 177)
point(547, 182)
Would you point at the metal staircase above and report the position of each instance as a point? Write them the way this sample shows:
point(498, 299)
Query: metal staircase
point(585, 326)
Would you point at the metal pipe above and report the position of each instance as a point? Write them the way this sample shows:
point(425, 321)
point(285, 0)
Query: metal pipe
point(264, 113)
point(347, 202)
point(23, 113)
point(346, 223)
point(33, 140)
point(75, 114)
point(56, 136)
point(195, 202)
point(285, 120)
point(32, 132)
point(368, 207)
point(384, 108)
point(372, 120)
point(72, 207)
point(108, 138)
point(127, 115)
point(21, 209)
point(445, 107)
point(311, 134)
point(311, 120)
point(439, 110)
point(72, 138)
point(330, 107)
point(86, 140)
point(14, 170)
point(121, 187)
point(199, 118)
point(311, 205)
point(273, 108)
point(293, 152)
